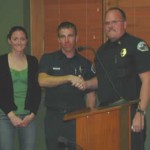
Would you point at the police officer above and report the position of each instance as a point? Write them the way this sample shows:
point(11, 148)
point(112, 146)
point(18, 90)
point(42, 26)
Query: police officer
point(123, 71)
point(60, 73)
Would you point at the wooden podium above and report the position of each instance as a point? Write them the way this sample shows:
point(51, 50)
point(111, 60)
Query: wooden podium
point(103, 128)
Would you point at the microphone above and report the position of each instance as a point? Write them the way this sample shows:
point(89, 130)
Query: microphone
point(121, 99)
point(65, 143)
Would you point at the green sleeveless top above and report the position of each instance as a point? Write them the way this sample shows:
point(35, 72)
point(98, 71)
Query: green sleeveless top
point(19, 79)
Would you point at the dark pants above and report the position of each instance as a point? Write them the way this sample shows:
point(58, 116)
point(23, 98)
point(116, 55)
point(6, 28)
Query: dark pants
point(56, 127)
point(137, 139)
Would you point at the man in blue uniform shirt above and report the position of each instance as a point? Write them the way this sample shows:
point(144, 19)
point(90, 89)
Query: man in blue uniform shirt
point(123, 71)
point(59, 73)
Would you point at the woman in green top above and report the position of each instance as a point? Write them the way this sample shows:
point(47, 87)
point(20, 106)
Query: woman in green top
point(20, 93)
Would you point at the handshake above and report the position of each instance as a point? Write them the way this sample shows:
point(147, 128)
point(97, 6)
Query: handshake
point(78, 82)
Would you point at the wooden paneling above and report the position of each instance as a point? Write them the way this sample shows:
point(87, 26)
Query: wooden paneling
point(97, 126)
point(141, 23)
point(37, 27)
point(85, 14)
point(138, 13)
point(103, 128)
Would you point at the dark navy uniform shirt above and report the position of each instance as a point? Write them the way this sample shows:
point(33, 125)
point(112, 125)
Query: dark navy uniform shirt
point(118, 67)
point(65, 96)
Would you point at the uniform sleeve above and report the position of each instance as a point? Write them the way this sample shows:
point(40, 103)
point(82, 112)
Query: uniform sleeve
point(91, 71)
point(44, 63)
point(92, 74)
point(142, 58)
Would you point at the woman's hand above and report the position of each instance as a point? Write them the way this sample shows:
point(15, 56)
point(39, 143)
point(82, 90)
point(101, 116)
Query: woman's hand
point(15, 120)
point(27, 119)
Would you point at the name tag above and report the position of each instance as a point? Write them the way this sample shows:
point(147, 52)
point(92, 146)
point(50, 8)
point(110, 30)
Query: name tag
point(56, 68)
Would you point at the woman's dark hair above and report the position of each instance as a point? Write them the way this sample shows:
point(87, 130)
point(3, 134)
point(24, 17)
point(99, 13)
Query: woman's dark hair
point(17, 28)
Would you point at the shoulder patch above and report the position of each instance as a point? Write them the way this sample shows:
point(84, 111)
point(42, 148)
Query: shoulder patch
point(142, 46)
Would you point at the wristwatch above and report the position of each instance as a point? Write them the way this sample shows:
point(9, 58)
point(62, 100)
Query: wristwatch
point(141, 111)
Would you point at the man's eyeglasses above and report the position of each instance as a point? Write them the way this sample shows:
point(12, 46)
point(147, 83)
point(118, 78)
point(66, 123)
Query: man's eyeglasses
point(114, 22)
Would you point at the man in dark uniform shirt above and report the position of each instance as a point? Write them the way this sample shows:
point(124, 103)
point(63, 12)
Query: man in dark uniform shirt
point(60, 73)
point(123, 71)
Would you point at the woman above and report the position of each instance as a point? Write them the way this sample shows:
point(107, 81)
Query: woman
point(20, 93)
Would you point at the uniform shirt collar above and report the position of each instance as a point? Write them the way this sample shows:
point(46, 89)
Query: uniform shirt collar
point(62, 55)
point(119, 41)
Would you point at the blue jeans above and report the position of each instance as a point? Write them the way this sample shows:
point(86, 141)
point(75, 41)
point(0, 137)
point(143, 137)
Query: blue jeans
point(26, 135)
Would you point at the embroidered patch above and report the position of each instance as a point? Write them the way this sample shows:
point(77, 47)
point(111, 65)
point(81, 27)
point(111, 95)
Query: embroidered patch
point(142, 46)
point(123, 52)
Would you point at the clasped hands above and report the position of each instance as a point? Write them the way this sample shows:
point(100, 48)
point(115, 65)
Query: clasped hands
point(18, 122)
point(78, 82)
